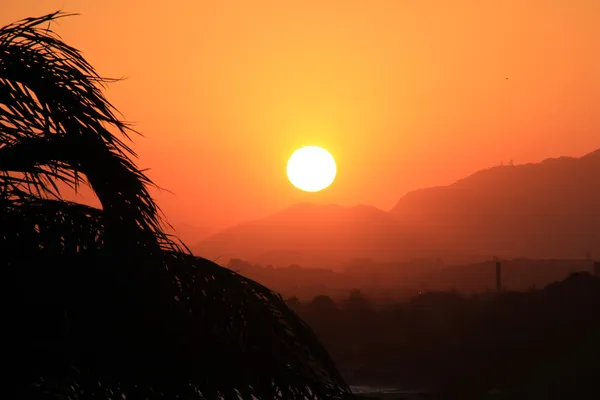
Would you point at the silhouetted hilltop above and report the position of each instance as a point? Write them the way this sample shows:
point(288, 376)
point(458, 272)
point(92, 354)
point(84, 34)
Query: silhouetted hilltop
point(548, 209)
point(537, 210)
point(319, 233)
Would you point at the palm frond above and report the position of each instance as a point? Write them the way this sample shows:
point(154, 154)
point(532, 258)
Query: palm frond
point(89, 318)
point(30, 225)
point(49, 91)
point(219, 336)
point(177, 325)
point(249, 328)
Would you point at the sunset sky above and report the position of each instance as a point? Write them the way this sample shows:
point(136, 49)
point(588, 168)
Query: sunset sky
point(404, 94)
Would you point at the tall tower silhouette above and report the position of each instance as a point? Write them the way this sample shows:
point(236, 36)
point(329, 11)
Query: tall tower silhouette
point(498, 275)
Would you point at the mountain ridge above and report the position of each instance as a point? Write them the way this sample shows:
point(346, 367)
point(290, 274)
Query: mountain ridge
point(545, 209)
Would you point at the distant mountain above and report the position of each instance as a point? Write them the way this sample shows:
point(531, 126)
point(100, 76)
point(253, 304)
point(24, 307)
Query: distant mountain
point(549, 209)
point(317, 235)
point(544, 210)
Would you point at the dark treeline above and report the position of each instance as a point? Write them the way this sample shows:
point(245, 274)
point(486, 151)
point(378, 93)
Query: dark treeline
point(392, 282)
point(524, 344)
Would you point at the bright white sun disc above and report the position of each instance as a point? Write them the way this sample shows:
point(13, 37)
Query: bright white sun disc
point(311, 169)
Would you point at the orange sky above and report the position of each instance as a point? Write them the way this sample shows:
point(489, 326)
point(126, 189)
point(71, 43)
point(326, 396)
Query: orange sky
point(404, 93)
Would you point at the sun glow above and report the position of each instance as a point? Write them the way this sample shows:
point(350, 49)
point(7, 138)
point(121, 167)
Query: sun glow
point(311, 169)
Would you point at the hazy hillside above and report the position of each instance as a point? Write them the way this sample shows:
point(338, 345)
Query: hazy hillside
point(550, 209)
point(545, 210)
point(317, 235)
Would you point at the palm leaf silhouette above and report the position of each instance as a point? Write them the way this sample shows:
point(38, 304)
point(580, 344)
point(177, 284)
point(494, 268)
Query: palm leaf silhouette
point(101, 303)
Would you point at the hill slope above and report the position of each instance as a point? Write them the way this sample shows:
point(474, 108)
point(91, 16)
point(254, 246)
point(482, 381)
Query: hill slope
point(549, 209)
point(545, 210)
point(319, 235)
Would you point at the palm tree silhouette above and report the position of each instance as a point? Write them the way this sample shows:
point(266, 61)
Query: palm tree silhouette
point(100, 302)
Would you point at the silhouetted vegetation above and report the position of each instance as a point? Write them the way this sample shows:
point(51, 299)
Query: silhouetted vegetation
point(100, 303)
point(523, 344)
point(395, 281)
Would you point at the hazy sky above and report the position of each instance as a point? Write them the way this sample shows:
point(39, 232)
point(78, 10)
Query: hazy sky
point(404, 93)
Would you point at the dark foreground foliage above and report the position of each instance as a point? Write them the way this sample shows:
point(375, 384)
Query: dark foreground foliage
point(536, 344)
point(100, 303)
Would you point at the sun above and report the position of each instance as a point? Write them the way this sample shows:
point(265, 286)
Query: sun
point(311, 169)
